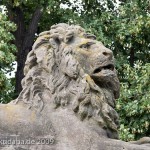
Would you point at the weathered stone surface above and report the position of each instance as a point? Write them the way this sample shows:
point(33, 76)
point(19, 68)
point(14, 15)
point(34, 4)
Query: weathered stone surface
point(68, 96)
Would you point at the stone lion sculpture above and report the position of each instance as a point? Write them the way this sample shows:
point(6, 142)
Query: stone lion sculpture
point(68, 95)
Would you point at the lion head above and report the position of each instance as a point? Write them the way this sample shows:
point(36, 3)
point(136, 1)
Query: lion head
point(76, 70)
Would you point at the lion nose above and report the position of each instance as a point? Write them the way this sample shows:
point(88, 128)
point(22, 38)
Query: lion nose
point(107, 53)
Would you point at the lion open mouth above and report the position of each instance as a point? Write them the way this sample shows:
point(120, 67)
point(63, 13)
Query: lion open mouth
point(103, 73)
point(106, 67)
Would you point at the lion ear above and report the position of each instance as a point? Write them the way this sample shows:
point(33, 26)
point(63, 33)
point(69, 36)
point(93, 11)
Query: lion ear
point(71, 69)
point(69, 64)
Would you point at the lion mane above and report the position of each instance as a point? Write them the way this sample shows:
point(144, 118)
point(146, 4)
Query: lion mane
point(52, 67)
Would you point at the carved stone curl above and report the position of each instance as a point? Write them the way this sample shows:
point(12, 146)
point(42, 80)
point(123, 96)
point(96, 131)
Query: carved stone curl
point(68, 95)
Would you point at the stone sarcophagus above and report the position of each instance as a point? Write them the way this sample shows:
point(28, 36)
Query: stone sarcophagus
point(68, 96)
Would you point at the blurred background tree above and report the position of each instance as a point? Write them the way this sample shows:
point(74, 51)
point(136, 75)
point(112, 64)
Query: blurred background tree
point(7, 57)
point(123, 26)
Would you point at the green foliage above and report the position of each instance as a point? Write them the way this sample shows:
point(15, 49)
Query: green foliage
point(52, 12)
point(125, 29)
point(132, 31)
point(134, 104)
point(7, 57)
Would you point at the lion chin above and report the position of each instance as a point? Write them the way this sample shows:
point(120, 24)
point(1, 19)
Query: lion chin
point(68, 95)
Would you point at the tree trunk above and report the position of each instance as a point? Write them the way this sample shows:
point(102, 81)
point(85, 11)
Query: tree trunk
point(132, 57)
point(24, 39)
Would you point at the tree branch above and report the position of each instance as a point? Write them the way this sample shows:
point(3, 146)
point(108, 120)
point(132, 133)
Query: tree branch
point(32, 29)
